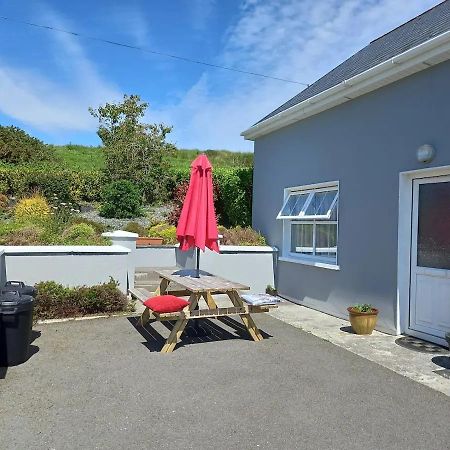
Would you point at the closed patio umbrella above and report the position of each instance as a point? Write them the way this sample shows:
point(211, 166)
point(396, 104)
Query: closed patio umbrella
point(197, 225)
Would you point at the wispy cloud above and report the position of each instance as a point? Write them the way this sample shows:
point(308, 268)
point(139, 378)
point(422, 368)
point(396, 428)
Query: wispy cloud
point(34, 98)
point(201, 11)
point(293, 39)
point(132, 21)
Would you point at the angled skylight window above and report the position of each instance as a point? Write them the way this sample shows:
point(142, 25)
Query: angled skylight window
point(310, 205)
point(321, 205)
point(293, 205)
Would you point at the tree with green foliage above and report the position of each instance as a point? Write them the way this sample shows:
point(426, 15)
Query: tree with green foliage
point(18, 147)
point(134, 150)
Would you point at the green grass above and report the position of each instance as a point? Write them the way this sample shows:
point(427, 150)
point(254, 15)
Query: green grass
point(218, 158)
point(79, 157)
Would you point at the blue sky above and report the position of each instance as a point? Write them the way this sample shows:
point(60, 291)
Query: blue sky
point(48, 80)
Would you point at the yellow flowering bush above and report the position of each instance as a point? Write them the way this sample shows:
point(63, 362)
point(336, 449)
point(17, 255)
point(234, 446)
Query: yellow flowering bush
point(32, 209)
point(165, 231)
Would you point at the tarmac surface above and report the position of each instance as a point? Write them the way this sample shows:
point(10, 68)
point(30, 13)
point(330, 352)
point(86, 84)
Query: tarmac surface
point(101, 384)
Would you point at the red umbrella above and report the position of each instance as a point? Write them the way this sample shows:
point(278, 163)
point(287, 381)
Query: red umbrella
point(197, 226)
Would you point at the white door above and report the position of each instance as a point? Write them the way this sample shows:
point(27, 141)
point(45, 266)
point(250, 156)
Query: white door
point(430, 258)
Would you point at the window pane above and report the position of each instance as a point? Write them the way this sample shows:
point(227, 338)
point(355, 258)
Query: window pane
point(334, 211)
point(302, 238)
point(433, 235)
point(294, 204)
point(320, 203)
point(326, 239)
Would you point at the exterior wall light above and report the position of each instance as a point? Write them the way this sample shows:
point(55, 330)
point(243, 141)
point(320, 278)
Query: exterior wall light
point(425, 153)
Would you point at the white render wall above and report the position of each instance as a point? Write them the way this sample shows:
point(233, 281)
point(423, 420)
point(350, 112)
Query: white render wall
point(68, 265)
point(155, 256)
point(90, 265)
point(252, 266)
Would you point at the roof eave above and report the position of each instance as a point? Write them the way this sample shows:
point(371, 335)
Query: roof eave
point(429, 53)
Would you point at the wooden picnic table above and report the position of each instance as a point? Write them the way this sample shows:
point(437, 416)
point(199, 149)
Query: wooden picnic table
point(205, 286)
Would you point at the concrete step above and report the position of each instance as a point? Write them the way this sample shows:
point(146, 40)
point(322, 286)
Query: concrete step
point(148, 287)
point(148, 273)
point(147, 278)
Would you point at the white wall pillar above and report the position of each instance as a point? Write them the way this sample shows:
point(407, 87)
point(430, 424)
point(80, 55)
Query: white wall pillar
point(128, 240)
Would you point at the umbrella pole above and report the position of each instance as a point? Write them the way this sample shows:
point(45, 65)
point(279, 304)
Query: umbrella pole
point(194, 329)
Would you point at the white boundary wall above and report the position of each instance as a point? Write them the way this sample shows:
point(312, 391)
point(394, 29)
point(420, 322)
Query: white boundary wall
point(68, 265)
point(90, 265)
point(253, 266)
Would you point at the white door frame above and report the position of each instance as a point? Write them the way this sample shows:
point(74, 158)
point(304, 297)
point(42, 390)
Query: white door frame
point(404, 247)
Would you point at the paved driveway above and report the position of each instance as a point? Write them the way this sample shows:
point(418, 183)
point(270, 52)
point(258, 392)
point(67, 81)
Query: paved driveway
point(100, 384)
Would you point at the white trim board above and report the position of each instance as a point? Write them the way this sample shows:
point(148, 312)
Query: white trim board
point(404, 248)
point(63, 249)
point(416, 59)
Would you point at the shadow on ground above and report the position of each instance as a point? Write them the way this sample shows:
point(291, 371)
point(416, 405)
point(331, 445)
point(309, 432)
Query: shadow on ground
point(442, 361)
point(32, 350)
point(212, 332)
point(347, 330)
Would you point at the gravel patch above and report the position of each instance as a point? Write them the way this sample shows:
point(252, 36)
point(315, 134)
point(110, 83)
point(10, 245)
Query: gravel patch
point(152, 214)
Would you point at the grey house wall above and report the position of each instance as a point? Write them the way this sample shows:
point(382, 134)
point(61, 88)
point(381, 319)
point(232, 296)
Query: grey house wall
point(363, 144)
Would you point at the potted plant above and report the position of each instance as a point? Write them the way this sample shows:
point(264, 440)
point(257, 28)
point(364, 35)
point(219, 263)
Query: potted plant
point(271, 290)
point(363, 318)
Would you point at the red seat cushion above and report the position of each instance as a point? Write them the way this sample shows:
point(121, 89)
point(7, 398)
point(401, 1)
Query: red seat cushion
point(166, 303)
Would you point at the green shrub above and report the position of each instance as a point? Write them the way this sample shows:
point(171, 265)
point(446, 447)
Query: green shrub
point(55, 301)
point(82, 234)
point(97, 226)
point(121, 199)
point(86, 186)
point(166, 231)
point(32, 209)
point(29, 235)
point(241, 236)
point(134, 227)
point(18, 147)
point(79, 234)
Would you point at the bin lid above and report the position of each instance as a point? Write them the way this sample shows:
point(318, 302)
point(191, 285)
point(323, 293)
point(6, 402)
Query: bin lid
point(12, 302)
point(21, 287)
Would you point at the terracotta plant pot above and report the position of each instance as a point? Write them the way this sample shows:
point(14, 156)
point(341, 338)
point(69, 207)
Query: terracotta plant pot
point(363, 322)
point(149, 241)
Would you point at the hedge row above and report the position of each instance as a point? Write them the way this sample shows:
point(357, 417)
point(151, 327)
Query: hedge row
point(234, 186)
point(67, 185)
point(55, 301)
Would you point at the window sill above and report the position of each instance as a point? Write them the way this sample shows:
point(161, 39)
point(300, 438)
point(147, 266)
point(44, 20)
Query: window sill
point(323, 265)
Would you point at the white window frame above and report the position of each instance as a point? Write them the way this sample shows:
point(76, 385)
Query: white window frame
point(288, 221)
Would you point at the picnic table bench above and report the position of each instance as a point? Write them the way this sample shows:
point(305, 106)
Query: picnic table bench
point(205, 286)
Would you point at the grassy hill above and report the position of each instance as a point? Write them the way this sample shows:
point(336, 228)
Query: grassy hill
point(79, 157)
